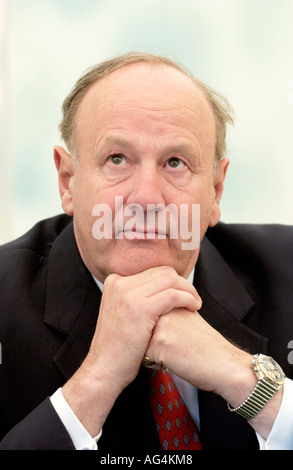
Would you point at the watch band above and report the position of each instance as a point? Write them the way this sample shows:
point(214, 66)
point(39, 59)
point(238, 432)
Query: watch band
point(262, 393)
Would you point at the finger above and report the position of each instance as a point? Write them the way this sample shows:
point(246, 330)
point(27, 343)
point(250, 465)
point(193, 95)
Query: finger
point(170, 299)
point(169, 280)
point(140, 278)
point(154, 280)
point(158, 279)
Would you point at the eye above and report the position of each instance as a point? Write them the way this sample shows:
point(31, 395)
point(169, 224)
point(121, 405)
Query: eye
point(116, 159)
point(175, 162)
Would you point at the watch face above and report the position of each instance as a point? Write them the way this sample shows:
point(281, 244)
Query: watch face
point(272, 369)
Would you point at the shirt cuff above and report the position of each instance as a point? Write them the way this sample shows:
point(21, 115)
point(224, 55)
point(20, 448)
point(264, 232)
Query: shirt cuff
point(281, 435)
point(81, 439)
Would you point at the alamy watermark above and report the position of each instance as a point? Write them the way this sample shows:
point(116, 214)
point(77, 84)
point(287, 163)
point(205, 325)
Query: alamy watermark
point(290, 355)
point(157, 221)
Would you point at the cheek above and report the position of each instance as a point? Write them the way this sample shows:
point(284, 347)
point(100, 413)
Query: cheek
point(205, 198)
point(85, 192)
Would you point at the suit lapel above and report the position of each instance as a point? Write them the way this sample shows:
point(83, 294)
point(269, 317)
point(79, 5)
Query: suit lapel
point(72, 302)
point(226, 304)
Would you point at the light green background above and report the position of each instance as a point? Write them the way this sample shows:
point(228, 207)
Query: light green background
point(243, 48)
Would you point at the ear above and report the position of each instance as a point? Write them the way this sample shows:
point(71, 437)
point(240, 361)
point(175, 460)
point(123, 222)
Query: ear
point(218, 188)
point(65, 170)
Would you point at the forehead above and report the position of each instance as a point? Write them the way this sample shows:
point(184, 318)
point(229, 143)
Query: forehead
point(144, 91)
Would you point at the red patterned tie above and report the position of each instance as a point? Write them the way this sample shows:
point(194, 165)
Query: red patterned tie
point(174, 424)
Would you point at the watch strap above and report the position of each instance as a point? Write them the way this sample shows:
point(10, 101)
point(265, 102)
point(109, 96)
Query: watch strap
point(262, 393)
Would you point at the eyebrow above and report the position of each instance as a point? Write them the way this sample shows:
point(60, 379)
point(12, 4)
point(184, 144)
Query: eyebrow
point(186, 149)
point(115, 140)
point(179, 148)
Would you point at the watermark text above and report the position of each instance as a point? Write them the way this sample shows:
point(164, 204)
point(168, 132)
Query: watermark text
point(290, 355)
point(157, 221)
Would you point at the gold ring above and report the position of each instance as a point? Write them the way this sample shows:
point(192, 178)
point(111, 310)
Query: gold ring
point(147, 362)
point(150, 364)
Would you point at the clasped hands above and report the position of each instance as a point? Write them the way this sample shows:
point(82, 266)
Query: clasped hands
point(155, 313)
point(152, 313)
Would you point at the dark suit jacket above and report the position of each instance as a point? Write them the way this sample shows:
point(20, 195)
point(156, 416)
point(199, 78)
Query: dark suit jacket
point(48, 312)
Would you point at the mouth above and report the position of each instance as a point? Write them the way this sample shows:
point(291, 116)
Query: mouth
point(143, 234)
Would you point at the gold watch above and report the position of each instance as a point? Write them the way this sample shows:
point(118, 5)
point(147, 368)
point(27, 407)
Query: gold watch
point(271, 378)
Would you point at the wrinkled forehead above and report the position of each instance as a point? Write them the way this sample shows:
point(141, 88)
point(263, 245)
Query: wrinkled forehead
point(158, 89)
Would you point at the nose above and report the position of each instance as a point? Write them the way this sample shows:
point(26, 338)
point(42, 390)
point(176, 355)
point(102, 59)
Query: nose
point(147, 186)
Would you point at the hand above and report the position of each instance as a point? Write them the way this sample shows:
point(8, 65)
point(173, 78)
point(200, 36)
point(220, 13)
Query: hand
point(130, 309)
point(129, 312)
point(186, 344)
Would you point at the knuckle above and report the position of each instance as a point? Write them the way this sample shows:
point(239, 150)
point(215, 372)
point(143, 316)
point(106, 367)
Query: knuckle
point(160, 338)
point(170, 273)
point(113, 280)
point(132, 306)
point(173, 295)
point(127, 300)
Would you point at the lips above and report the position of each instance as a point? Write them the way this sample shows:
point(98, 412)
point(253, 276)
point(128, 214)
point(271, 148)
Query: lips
point(144, 234)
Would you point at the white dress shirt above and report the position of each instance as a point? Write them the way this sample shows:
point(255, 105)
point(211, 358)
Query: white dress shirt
point(280, 437)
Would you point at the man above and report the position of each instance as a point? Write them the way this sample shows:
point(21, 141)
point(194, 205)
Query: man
point(142, 129)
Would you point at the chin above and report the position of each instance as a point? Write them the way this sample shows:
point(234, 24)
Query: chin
point(135, 268)
point(133, 260)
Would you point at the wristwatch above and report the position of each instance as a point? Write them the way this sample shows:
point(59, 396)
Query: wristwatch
point(271, 378)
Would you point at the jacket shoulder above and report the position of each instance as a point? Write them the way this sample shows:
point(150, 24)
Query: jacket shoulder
point(261, 250)
point(39, 238)
point(252, 236)
point(25, 258)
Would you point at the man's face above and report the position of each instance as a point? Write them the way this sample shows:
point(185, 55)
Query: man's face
point(147, 134)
